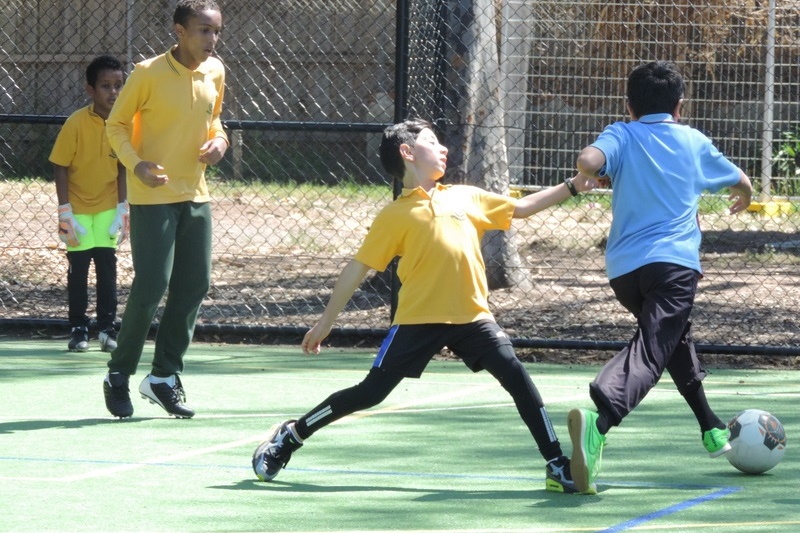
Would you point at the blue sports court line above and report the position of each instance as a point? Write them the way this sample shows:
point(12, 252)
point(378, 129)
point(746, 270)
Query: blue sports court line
point(672, 509)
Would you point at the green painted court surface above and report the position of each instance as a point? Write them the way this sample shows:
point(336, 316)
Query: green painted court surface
point(445, 453)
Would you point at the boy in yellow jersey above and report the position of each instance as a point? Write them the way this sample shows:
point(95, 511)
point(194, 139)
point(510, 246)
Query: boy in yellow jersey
point(436, 232)
point(92, 213)
point(166, 128)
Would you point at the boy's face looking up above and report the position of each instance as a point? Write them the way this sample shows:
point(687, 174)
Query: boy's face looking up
point(428, 156)
point(105, 90)
point(198, 37)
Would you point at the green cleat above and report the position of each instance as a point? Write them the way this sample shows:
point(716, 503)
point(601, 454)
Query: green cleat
point(716, 442)
point(587, 449)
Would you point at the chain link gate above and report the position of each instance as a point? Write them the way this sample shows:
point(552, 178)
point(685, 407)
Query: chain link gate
point(310, 86)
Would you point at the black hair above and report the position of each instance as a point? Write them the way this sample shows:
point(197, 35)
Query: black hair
point(104, 62)
point(402, 133)
point(187, 9)
point(656, 87)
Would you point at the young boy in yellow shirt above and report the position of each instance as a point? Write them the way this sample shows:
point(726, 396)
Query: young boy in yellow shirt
point(166, 128)
point(92, 211)
point(436, 232)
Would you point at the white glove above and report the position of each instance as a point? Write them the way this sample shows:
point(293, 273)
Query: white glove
point(121, 223)
point(68, 228)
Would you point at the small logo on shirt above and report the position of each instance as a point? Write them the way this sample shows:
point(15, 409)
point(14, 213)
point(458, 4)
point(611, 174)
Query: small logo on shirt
point(210, 110)
point(459, 215)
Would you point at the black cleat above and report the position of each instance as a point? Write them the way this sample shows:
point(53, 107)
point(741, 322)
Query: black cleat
point(558, 478)
point(171, 398)
point(274, 453)
point(80, 339)
point(117, 393)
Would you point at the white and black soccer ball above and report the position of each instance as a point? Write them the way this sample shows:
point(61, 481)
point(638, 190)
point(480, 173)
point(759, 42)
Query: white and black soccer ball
point(758, 441)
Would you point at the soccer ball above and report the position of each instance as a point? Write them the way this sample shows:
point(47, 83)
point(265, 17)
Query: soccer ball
point(757, 441)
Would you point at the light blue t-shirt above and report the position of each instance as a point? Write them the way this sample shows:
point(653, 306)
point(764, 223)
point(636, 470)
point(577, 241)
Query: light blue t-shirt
point(658, 170)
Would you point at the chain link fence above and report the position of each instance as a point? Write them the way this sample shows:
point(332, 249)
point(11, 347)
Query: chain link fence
point(516, 89)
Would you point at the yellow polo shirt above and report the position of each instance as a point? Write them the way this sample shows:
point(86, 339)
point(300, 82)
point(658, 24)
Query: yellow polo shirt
point(82, 147)
point(438, 240)
point(164, 114)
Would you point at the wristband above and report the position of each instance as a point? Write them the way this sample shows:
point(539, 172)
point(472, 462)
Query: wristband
point(571, 186)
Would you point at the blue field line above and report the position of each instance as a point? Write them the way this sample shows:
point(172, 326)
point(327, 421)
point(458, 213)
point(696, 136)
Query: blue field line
point(678, 507)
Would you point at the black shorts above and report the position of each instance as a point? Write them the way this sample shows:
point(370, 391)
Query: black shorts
point(407, 349)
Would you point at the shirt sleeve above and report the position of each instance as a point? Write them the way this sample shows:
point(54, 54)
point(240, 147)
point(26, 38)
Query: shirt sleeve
point(66, 145)
point(119, 125)
point(380, 245)
point(498, 210)
point(216, 129)
point(609, 142)
point(717, 171)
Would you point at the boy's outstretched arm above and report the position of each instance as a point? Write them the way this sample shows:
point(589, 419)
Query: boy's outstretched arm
point(533, 203)
point(351, 277)
point(741, 194)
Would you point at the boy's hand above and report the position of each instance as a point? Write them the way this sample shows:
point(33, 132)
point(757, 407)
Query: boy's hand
point(68, 227)
point(212, 151)
point(314, 338)
point(151, 174)
point(121, 223)
point(741, 197)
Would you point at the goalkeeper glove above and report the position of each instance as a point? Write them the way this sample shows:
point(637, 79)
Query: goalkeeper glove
point(68, 228)
point(121, 223)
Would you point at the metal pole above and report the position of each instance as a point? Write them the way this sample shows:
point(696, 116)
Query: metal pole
point(769, 100)
point(400, 109)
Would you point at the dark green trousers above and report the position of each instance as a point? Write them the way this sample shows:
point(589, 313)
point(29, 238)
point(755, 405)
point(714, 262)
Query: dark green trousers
point(171, 249)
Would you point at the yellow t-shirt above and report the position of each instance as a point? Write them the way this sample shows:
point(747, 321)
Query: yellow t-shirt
point(438, 240)
point(82, 147)
point(164, 114)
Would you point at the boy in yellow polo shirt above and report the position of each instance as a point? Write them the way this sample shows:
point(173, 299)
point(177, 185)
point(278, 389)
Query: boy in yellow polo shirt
point(166, 128)
point(92, 213)
point(436, 232)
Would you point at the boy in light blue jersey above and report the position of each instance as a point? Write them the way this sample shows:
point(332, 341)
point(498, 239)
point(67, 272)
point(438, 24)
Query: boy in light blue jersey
point(658, 169)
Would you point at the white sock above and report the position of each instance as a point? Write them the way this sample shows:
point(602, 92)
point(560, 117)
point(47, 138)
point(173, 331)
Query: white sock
point(291, 428)
point(168, 380)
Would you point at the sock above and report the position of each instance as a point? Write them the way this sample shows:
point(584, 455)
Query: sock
point(169, 380)
point(698, 403)
point(602, 424)
point(292, 429)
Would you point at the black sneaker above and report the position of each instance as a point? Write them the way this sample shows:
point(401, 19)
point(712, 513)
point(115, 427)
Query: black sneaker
point(80, 339)
point(274, 453)
point(117, 393)
point(559, 477)
point(108, 340)
point(171, 398)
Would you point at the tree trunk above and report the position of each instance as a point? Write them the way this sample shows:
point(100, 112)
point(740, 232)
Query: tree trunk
point(475, 133)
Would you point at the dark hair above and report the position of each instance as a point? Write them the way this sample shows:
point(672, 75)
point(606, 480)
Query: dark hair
point(656, 87)
point(402, 133)
point(104, 62)
point(187, 9)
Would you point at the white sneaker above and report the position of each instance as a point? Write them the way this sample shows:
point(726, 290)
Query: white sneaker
point(108, 340)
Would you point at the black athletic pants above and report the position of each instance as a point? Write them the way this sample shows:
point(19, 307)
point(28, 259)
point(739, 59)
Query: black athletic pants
point(466, 340)
point(661, 297)
point(105, 267)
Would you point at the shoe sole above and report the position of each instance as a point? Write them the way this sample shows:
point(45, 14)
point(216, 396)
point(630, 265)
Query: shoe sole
point(725, 449)
point(578, 464)
point(551, 485)
point(156, 402)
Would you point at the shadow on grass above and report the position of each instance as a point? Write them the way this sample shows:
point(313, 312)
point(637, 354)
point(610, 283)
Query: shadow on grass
point(33, 425)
